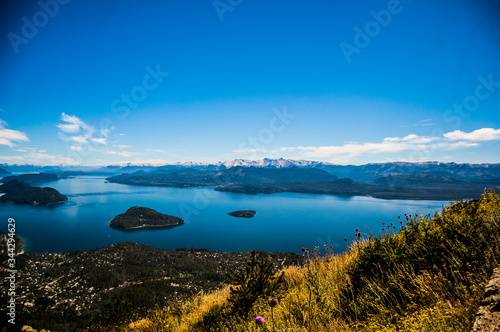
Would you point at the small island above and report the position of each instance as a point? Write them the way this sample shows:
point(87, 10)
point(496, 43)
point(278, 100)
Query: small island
point(141, 217)
point(243, 213)
point(18, 192)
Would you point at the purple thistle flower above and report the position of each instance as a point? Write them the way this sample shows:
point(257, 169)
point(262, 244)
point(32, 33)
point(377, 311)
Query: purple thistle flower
point(273, 303)
point(259, 320)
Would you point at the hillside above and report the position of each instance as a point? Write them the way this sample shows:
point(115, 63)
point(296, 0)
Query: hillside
point(422, 273)
point(187, 177)
point(18, 192)
point(104, 287)
point(33, 177)
point(4, 245)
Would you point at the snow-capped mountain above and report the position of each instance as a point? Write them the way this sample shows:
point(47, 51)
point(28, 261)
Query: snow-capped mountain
point(270, 163)
point(266, 162)
point(366, 173)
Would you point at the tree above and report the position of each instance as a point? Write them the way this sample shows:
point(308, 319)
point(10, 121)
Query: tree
point(258, 279)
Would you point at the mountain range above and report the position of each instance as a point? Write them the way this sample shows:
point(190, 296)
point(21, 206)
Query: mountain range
point(368, 172)
point(405, 180)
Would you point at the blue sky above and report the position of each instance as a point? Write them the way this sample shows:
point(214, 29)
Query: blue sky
point(348, 82)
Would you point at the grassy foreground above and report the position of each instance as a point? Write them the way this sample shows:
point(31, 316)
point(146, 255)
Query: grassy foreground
point(420, 274)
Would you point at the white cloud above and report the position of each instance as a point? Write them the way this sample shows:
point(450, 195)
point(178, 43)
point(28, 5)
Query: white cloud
point(449, 141)
point(69, 128)
point(120, 153)
point(73, 124)
point(121, 146)
point(105, 132)
point(9, 136)
point(47, 159)
point(78, 139)
point(77, 148)
point(75, 130)
point(251, 151)
point(11, 159)
point(159, 151)
point(99, 140)
point(152, 162)
point(479, 135)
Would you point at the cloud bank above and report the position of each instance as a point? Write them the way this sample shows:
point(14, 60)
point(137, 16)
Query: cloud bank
point(448, 141)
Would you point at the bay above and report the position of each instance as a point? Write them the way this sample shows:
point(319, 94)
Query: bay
point(284, 222)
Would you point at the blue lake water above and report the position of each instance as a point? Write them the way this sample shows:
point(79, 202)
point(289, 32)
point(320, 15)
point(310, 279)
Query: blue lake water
point(284, 222)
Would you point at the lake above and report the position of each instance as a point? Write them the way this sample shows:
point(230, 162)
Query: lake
point(284, 222)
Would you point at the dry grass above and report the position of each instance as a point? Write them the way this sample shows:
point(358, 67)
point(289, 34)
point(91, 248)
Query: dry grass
point(393, 282)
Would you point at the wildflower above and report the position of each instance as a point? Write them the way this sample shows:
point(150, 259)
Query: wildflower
point(273, 303)
point(259, 320)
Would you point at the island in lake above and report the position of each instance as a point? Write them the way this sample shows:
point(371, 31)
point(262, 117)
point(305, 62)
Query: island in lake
point(18, 192)
point(33, 177)
point(243, 213)
point(142, 217)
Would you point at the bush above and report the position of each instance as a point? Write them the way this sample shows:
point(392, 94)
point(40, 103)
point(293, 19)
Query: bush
point(258, 279)
point(458, 247)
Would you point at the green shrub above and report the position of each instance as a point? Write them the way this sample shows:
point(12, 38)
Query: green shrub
point(457, 248)
point(258, 279)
